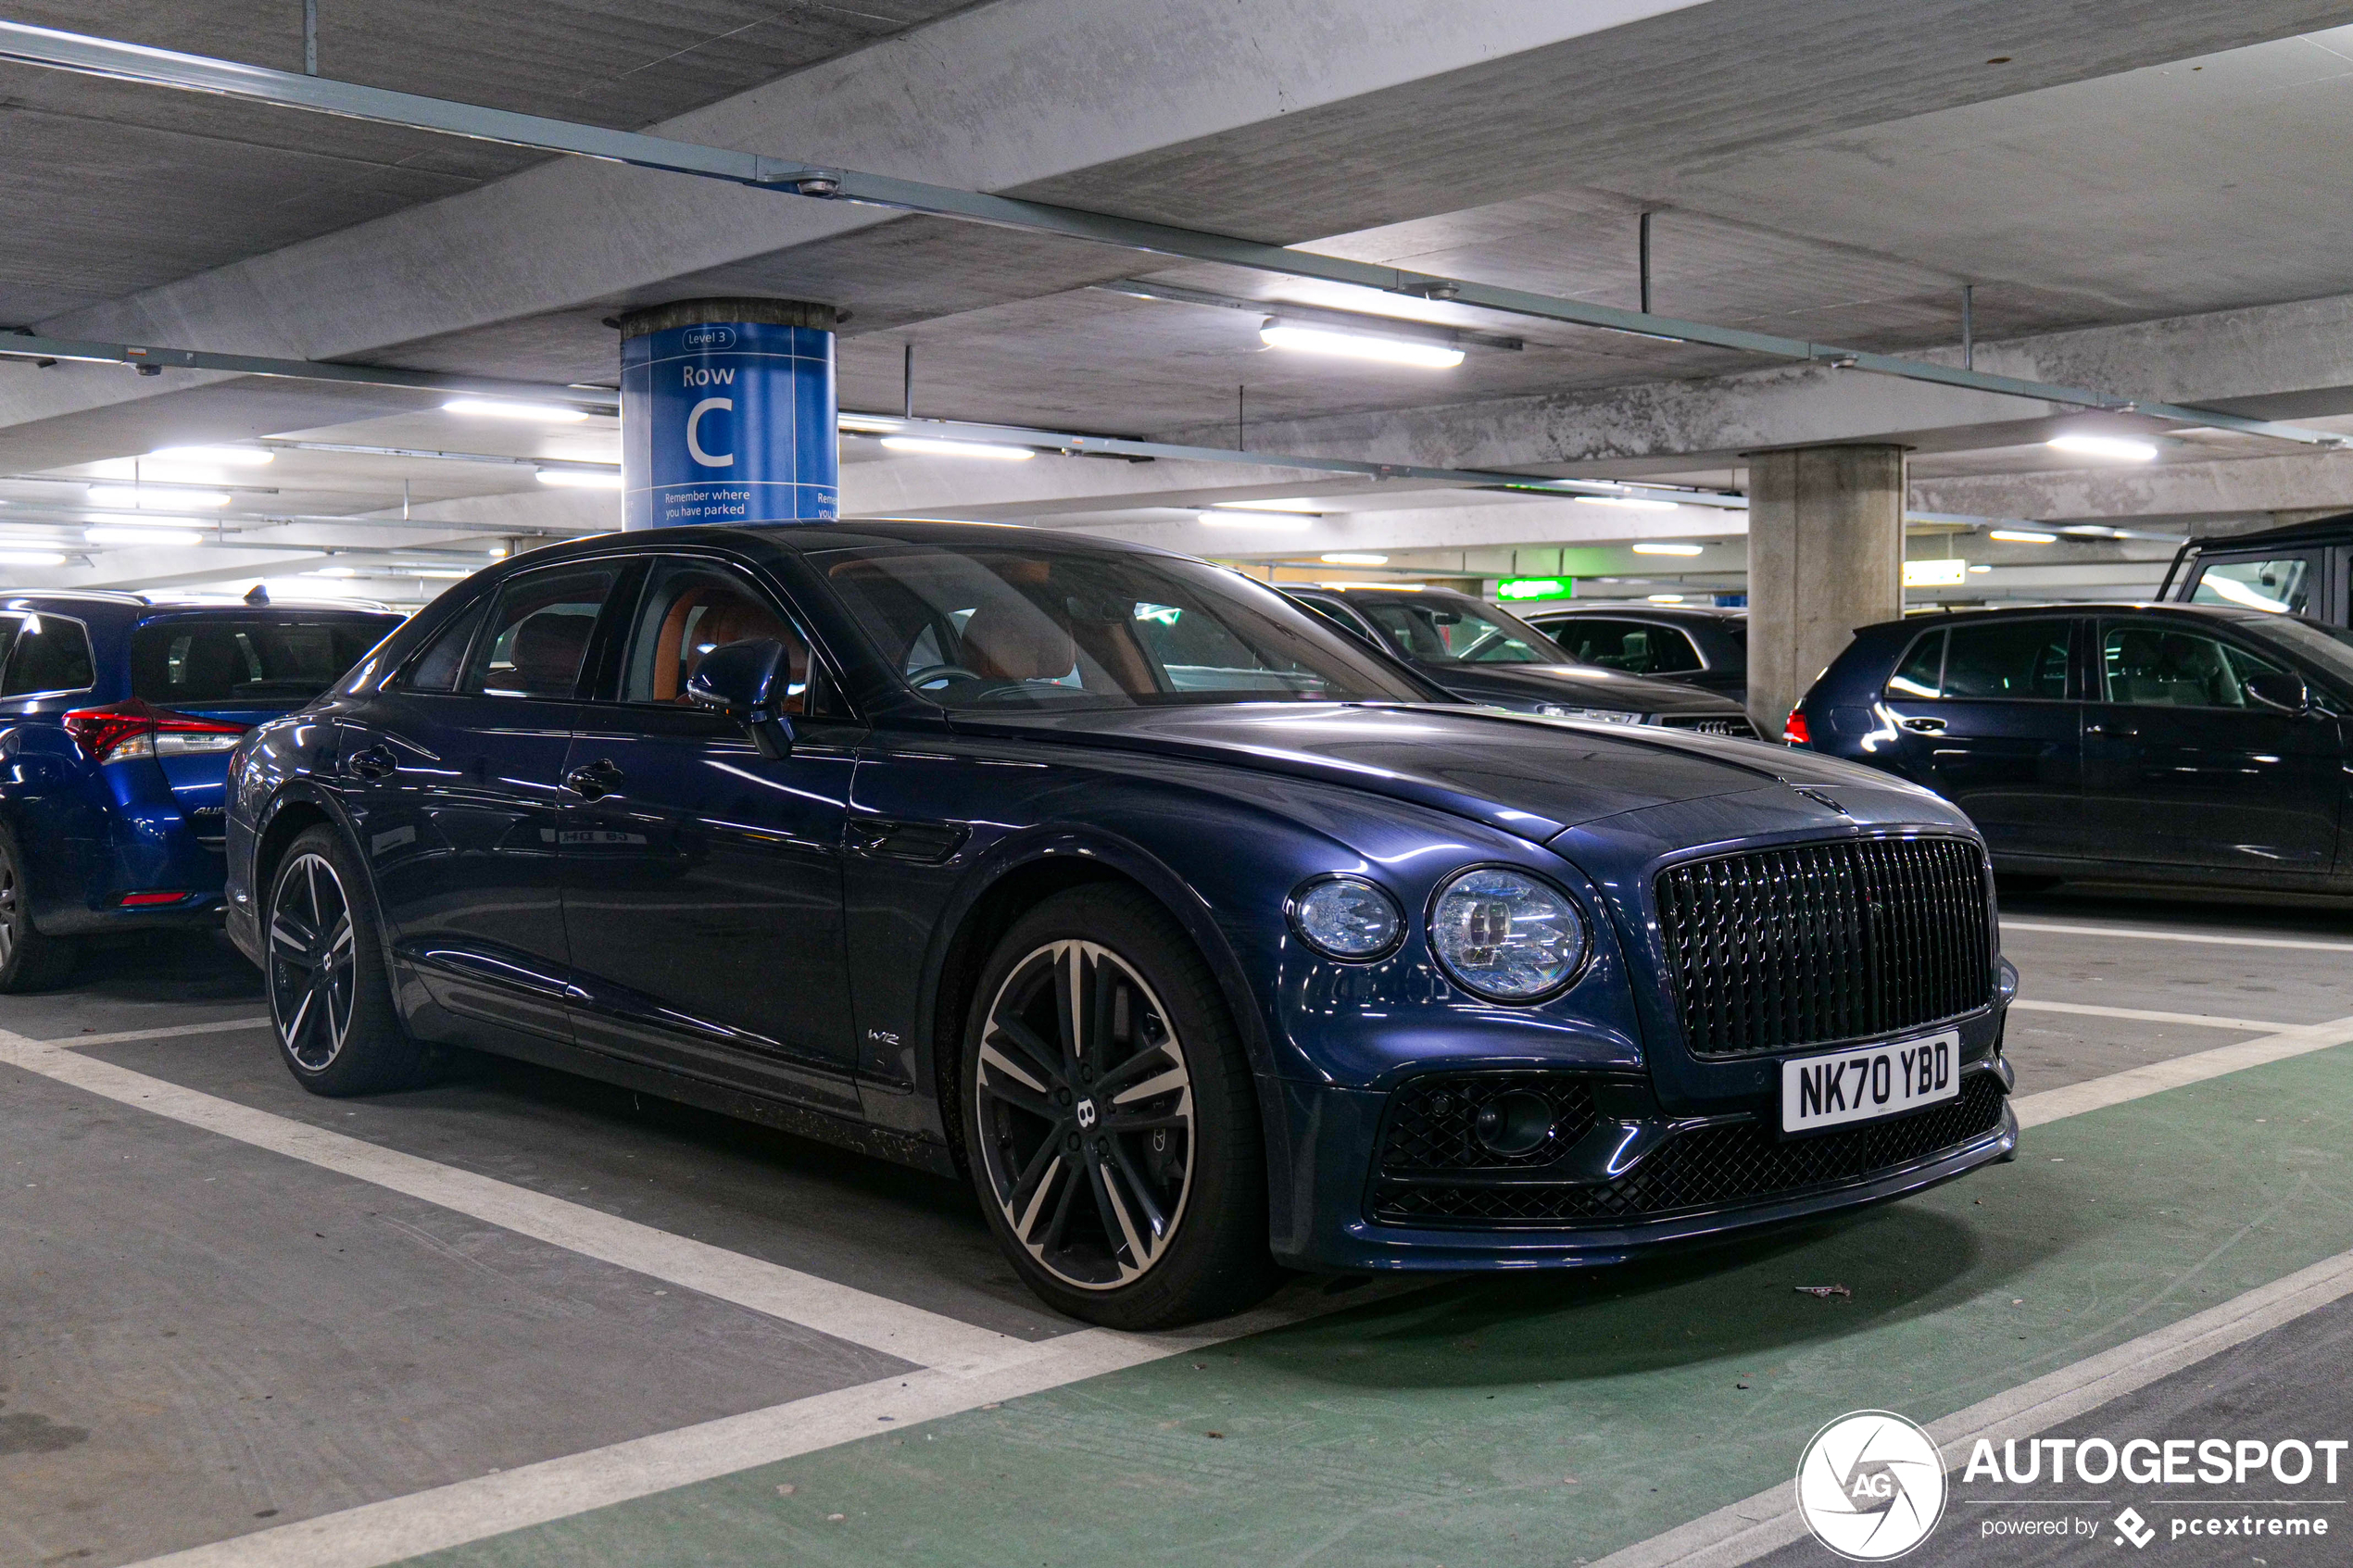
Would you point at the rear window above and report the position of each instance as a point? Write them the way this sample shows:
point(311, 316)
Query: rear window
point(254, 661)
point(49, 654)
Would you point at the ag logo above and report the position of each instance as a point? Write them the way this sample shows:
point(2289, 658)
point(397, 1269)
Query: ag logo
point(1086, 1113)
point(1870, 1486)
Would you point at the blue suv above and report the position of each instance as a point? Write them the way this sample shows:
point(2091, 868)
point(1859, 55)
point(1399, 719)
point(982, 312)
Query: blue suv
point(117, 718)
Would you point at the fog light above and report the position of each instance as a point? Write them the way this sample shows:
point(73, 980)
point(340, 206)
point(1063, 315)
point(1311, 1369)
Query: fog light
point(1514, 1123)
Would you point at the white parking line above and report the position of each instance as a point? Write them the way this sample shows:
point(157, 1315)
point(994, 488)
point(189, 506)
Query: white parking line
point(1748, 1529)
point(2141, 1015)
point(2147, 935)
point(913, 1335)
point(220, 1026)
point(2137, 1083)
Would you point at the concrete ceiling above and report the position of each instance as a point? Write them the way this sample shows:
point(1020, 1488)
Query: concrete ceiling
point(2130, 188)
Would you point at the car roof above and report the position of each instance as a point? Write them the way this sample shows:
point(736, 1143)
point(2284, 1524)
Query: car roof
point(2187, 613)
point(2336, 530)
point(1634, 607)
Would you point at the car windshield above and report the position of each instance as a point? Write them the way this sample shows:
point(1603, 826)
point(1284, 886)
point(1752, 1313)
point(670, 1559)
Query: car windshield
point(1015, 627)
point(1460, 631)
point(248, 660)
point(2331, 648)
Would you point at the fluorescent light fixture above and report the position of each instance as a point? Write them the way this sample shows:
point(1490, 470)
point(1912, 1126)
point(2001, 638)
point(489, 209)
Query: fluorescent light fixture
point(226, 456)
point(32, 558)
point(143, 535)
point(580, 479)
point(2104, 447)
point(1279, 333)
point(1626, 503)
point(144, 499)
point(2022, 537)
point(333, 572)
point(1353, 557)
point(867, 424)
point(1285, 504)
point(1268, 522)
point(497, 552)
point(1947, 573)
point(493, 409)
point(937, 448)
point(1666, 599)
point(1980, 567)
point(451, 573)
point(1659, 547)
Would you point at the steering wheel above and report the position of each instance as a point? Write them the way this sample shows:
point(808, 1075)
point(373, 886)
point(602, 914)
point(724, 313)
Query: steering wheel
point(936, 672)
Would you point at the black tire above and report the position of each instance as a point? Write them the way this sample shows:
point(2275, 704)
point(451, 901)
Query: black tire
point(29, 961)
point(324, 973)
point(1141, 1215)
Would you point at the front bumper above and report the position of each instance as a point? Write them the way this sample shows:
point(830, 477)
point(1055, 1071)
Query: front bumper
point(1326, 1207)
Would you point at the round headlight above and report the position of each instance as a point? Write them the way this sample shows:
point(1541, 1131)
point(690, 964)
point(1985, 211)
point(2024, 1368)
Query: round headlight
point(1343, 918)
point(1505, 936)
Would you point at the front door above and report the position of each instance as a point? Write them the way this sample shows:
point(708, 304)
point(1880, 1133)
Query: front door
point(2181, 768)
point(703, 897)
point(454, 784)
point(1985, 715)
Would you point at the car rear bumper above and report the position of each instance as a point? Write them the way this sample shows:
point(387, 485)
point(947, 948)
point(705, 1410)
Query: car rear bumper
point(1721, 1177)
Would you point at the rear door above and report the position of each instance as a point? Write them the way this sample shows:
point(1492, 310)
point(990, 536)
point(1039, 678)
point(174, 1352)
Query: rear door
point(2181, 768)
point(1987, 714)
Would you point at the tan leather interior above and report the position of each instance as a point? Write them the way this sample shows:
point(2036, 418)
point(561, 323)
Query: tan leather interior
point(728, 616)
point(1017, 642)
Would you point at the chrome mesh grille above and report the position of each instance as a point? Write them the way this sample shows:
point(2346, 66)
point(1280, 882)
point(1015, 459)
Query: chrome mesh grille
point(1771, 949)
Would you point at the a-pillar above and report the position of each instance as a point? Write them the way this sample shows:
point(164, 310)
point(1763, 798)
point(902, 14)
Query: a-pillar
point(1825, 556)
point(727, 413)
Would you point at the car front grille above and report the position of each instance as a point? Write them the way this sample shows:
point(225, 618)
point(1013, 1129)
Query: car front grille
point(1430, 1120)
point(1771, 949)
point(1710, 724)
point(1733, 1162)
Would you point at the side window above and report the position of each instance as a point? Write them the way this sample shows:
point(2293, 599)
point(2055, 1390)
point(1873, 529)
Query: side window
point(436, 669)
point(1593, 639)
point(2283, 586)
point(539, 633)
point(1631, 646)
point(2006, 660)
point(1922, 672)
point(2151, 666)
point(50, 654)
point(688, 608)
point(1343, 619)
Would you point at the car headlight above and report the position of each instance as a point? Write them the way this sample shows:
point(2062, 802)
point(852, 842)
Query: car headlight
point(1598, 715)
point(1343, 917)
point(1505, 936)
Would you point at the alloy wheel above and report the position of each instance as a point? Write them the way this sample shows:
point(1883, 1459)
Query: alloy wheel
point(311, 968)
point(1084, 1108)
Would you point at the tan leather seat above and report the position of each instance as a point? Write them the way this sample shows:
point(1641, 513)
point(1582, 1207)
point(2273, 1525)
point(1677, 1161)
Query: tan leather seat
point(728, 616)
point(1009, 642)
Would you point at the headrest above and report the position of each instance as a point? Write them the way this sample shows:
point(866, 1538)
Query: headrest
point(1017, 642)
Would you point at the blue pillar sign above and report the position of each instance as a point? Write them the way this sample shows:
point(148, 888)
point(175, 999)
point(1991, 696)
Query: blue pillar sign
point(727, 420)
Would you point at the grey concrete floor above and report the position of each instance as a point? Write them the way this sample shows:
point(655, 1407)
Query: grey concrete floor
point(200, 1335)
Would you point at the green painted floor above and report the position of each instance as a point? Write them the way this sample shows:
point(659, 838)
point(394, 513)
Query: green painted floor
point(1546, 1421)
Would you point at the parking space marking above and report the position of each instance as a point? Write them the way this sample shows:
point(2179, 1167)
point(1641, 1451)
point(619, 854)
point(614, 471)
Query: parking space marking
point(2142, 1015)
point(1746, 1530)
point(921, 1337)
point(2147, 935)
point(220, 1026)
point(2092, 1094)
point(380, 1533)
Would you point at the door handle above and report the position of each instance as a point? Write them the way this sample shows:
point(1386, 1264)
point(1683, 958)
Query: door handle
point(1924, 726)
point(593, 781)
point(375, 762)
point(2118, 732)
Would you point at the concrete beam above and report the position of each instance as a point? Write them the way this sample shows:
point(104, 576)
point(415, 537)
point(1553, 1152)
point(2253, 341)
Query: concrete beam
point(2294, 482)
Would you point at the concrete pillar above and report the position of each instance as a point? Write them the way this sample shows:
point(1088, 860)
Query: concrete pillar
point(1825, 556)
point(727, 413)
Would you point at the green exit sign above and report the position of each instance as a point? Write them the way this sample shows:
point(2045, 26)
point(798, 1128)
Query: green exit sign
point(1518, 590)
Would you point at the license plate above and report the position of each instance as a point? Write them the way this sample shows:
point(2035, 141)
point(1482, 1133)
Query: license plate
point(1871, 1082)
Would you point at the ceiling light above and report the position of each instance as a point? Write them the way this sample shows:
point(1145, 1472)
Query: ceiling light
point(939, 449)
point(333, 572)
point(2104, 447)
point(488, 408)
point(227, 457)
point(1287, 504)
point(1359, 345)
point(144, 499)
point(580, 479)
point(32, 558)
point(1268, 522)
point(450, 572)
point(1666, 599)
point(1654, 547)
point(2022, 537)
point(1352, 558)
point(1626, 503)
point(867, 424)
point(1980, 567)
point(141, 535)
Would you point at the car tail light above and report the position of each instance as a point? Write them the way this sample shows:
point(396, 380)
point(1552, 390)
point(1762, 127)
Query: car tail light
point(138, 728)
point(1793, 729)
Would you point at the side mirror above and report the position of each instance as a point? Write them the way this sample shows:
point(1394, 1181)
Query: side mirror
point(2278, 689)
point(747, 681)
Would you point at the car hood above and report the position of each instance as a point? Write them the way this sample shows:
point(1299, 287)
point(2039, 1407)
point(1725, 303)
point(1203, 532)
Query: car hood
point(1575, 685)
point(1530, 776)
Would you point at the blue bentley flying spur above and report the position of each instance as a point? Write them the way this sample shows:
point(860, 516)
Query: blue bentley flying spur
point(1200, 937)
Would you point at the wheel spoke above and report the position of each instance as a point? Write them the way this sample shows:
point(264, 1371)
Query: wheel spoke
point(1156, 1223)
point(1116, 1224)
point(1159, 1083)
point(1038, 1106)
point(1040, 1192)
point(1039, 1060)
